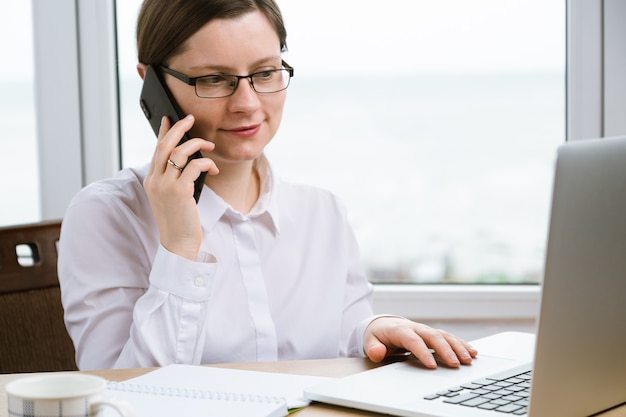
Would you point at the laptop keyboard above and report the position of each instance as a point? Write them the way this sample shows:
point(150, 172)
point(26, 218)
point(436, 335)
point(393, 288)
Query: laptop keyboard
point(505, 392)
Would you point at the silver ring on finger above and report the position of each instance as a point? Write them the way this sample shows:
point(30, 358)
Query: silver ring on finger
point(175, 165)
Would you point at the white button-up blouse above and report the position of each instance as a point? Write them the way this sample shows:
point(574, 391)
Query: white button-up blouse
point(282, 282)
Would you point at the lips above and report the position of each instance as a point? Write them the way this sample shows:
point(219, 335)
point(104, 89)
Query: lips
point(245, 131)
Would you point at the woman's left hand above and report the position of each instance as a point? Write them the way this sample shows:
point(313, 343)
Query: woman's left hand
point(170, 188)
point(387, 334)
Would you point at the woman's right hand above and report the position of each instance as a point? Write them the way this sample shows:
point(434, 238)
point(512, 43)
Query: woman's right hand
point(170, 188)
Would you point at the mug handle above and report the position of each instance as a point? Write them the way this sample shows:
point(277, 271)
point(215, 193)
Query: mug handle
point(123, 408)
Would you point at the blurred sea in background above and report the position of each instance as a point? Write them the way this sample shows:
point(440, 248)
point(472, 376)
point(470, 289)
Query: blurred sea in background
point(445, 177)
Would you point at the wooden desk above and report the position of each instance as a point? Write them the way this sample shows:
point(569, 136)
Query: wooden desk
point(321, 367)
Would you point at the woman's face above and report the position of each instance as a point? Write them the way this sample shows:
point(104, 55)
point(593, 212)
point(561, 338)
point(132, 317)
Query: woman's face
point(242, 124)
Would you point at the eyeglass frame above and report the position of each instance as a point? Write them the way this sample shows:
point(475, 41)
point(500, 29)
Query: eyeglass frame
point(192, 80)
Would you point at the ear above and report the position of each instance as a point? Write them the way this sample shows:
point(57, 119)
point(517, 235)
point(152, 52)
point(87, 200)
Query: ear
point(141, 70)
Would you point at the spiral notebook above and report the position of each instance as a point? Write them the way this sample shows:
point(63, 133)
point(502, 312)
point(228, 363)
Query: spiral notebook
point(187, 390)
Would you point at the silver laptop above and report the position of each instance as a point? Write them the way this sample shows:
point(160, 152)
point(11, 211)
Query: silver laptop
point(576, 364)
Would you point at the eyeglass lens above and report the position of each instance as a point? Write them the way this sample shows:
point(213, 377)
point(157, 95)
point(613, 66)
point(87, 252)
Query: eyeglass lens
point(221, 85)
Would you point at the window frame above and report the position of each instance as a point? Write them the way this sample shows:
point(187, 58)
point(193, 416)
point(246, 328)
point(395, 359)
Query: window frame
point(79, 133)
point(76, 94)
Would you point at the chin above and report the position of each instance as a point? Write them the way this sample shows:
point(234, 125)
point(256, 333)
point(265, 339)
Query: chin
point(238, 157)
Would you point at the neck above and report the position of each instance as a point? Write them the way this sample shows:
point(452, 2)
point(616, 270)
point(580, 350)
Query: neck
point(238, 184)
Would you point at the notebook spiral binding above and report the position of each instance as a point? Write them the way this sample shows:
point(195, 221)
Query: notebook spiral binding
point(191, 393)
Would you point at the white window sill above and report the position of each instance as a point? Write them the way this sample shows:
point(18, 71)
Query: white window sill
point(458, 302)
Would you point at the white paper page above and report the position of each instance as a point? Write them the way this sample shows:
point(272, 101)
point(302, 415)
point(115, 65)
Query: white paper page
point(155, 405)
point(219, 380)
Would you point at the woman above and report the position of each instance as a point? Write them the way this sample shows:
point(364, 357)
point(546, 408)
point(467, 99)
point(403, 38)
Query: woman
point(259, 269)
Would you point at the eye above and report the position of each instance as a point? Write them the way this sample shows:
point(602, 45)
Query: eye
point(214, 81)
point(264, 75)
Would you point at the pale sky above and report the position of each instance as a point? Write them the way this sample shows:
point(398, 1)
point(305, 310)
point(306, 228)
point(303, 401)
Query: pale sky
point(407, 36)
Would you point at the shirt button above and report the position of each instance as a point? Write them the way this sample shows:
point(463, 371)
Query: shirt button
point(198, 282)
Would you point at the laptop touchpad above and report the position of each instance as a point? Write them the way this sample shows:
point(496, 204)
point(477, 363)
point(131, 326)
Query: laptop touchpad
point(481, 365)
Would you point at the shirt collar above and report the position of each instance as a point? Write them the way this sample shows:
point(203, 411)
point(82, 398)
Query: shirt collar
point(212, 207)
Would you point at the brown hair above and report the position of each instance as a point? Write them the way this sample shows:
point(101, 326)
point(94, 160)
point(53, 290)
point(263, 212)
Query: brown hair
point(163, 26)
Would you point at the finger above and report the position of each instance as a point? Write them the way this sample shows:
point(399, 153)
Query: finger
point(172, 134)
point(175, 165)
point(373, 347)
point(447, 347)
point(376, 351)
point(420, 349)
point(397, 333)
point(463, 350)
point(454, 348)
point(187, 152)
point(401, 338)
point(163, 127)
point(422, 341)
point(450, 348)
point(182, 153)
point(168, 139)
point(197, 166)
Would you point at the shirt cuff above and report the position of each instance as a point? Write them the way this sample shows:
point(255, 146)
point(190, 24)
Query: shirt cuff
point(181, 277)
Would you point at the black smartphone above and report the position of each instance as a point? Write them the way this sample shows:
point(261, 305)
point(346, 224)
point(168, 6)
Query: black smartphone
point(156, 101)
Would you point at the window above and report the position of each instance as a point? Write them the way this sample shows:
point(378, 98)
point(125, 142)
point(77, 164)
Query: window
point(596, 97)
point(19, 162)
point(436, 122)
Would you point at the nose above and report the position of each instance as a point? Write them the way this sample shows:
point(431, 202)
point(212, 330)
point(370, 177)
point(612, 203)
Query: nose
point(244, 99)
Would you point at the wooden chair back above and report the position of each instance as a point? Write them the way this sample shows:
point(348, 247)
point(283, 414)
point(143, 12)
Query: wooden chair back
point(33, 337)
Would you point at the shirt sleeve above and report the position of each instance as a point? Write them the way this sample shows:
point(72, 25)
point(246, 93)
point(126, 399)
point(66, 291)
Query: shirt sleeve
point(128, 301)
point(168, 320)
point(357, 310)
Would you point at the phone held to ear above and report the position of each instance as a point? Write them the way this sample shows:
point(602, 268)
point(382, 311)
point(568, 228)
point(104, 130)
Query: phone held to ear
point(156, 101)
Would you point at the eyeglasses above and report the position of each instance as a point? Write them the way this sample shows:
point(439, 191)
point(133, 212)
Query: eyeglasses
point(224, 85)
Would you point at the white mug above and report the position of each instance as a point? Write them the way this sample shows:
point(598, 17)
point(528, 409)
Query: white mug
point(61, 395)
